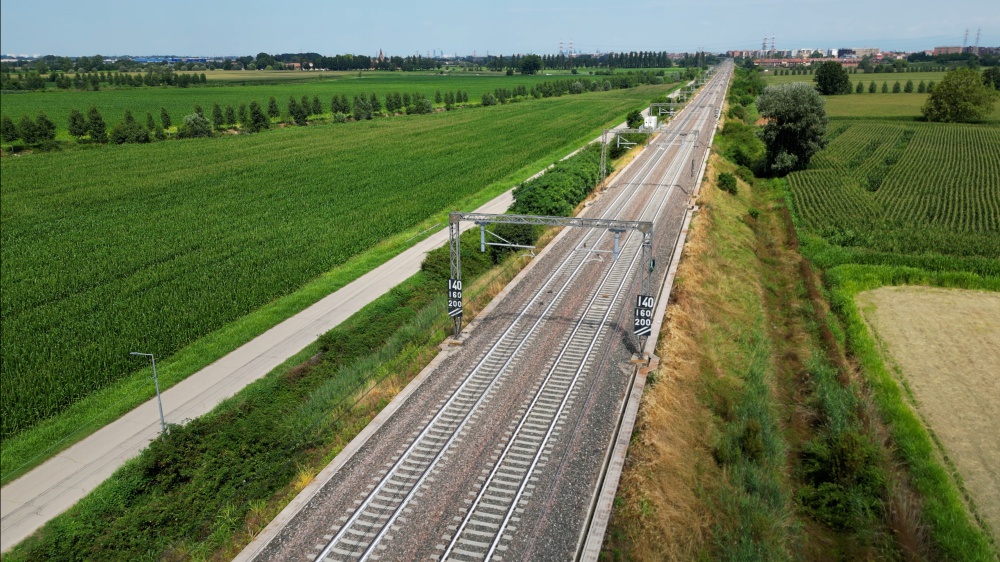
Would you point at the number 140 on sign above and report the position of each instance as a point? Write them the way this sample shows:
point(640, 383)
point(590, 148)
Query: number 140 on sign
point(642, 325)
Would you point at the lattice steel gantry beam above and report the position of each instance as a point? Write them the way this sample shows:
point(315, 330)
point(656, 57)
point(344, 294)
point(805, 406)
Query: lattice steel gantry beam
point(615, 226)
point(604, 147)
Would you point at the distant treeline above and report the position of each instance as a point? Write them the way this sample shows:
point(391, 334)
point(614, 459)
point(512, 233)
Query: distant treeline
point(159, 76)
point(316, 61)
point(254, 117)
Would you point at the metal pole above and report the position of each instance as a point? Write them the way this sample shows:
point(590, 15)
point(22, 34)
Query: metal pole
point(159, 401)
point(455, 243)
point(156, 382)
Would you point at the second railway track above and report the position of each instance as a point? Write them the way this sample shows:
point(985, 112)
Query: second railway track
point(546, 358)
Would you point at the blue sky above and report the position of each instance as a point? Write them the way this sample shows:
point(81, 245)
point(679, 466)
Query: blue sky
point(229, 27)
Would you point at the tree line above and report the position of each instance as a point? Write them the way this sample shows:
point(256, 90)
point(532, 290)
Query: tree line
point(93, 81)
point(90, 127)
point(964, 95)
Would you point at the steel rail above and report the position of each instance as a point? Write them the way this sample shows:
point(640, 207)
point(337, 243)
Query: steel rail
point(623, 286)
point(614, 208)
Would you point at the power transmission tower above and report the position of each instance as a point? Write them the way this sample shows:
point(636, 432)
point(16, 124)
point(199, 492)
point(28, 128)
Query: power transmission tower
point(976, 48)
point(965, 40)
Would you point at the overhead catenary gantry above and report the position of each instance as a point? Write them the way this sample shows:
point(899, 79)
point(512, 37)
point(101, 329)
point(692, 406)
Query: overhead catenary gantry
point(616, 227)
point(617, 134)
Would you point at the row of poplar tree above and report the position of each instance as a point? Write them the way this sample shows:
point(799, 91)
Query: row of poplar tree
point(250, 118)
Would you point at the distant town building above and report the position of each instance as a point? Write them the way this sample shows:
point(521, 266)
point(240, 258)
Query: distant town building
point(947, 51)
point(801, 61)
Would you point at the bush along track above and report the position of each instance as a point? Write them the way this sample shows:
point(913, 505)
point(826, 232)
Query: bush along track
point(759, 437)
point(208, 487)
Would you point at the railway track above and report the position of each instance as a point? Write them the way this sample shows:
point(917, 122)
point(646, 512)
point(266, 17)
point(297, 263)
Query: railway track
point(485, 522)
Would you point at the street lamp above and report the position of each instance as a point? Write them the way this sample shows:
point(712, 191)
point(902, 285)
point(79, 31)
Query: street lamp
point(156, 381)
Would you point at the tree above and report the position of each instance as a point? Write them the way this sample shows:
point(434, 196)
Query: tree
point(297, 112)
point(27, 131)
point(437, 97)
point(258, 120)
point(634, 119)
point(991, 77)
point(272, 108)
point(8, 130)
point(164, 118)
point(242, 114)
point(217, 119)
point(95, 125)
point(45, 128)
point(885, 87)
point(150, 122)
point(362, 109)
point(795, 128)
point(230, 116)
point(896, 87)
point(530, 64)
point(871, 88)
point(961, 97)
point(317, 108)
point(77, 124)
point(831, 79)
point(128, 130)
point(860, 89)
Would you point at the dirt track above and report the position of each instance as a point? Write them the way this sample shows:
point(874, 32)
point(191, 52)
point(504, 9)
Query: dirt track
point(947, 344)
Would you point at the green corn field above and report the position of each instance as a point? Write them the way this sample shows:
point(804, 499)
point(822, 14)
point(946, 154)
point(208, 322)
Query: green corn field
point(905, 187)
point(150, 247)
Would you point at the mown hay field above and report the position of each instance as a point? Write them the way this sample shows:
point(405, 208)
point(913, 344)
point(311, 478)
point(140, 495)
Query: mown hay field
point(149, 247)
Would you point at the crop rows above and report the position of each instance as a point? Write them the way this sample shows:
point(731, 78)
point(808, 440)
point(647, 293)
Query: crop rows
point(151, 247)
point(181, 101)
point(908, 187)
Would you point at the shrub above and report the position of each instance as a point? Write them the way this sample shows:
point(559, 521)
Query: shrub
point(129, 131)
point(745, 174)
point(194, 125)
point(727, 182)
